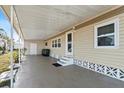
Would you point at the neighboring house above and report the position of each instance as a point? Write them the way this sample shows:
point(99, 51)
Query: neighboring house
point(1, 45)
point(3, 41)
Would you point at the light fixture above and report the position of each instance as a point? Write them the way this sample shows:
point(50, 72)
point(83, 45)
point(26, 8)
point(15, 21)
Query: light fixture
point(73, 27)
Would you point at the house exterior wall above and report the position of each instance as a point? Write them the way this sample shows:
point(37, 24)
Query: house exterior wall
point(40, 46)
point(57, 52)
point(83, 48)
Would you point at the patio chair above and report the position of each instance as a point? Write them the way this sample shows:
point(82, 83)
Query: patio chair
point(15, 66)
point(5, 78)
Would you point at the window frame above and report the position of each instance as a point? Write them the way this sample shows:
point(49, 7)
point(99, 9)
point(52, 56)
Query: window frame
point(53, 43)
point(115, 33)
point(46, 44)
point(59, 42)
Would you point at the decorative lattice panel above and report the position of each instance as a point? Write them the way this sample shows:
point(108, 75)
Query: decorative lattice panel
point(109, 71)
point(85, 64)
point(100, 68)
point(75, 61)
point(121, 74)
point(92, 66)
point(80, 62)
point(113, 72)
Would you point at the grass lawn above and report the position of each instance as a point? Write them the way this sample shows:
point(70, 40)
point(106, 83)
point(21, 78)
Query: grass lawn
point(4, 62)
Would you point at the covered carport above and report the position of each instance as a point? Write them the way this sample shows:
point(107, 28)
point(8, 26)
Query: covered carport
point(38, 23)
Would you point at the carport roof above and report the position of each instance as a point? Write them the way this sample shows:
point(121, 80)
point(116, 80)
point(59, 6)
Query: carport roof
point(44, 21)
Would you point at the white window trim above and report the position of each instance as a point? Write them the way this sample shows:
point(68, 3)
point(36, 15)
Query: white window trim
point(56, 39)
point(59, 42)
point(56, 43)
point(106, 35)
point(52, 42)
point(116, 34)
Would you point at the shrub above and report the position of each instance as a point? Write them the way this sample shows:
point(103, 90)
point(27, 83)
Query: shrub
point(16, 56)
point(1, 49)
point(5, 61)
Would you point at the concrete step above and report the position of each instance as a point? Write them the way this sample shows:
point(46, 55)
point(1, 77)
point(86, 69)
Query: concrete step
point(68, 56)
point(65, 60)
point(62, 62)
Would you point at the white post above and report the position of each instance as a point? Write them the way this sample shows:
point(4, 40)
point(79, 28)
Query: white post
point(19, 48)
point(11, 50)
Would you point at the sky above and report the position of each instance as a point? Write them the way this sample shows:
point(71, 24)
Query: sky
point(5, 24)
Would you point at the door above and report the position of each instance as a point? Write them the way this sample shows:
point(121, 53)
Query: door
point(33, 49)
point(69, 43)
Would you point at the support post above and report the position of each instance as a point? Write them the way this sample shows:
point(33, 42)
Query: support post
point(19, 48)
point(11, 50)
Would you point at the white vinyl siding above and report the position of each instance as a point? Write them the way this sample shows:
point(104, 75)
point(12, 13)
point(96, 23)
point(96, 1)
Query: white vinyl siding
point(84, 46)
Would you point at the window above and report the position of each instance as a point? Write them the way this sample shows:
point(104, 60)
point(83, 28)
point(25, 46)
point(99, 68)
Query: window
point(106, 34)
point(69, 47)
point(59, 42)
point(69, 37)
point(46, 44)
point(55, 43)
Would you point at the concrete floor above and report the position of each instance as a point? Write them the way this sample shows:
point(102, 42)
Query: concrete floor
point(38, 72)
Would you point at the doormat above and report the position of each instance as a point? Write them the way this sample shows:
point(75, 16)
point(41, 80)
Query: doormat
point(56, 64)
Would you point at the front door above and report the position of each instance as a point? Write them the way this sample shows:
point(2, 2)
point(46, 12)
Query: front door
point(69, 43)
point(33, 49)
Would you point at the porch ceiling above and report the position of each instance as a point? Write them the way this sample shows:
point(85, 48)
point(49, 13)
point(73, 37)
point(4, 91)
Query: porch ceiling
point(42, 22)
